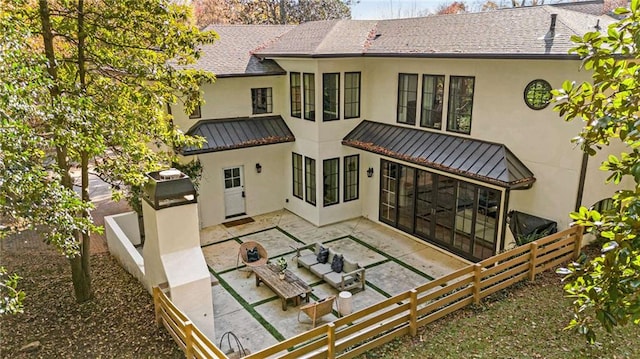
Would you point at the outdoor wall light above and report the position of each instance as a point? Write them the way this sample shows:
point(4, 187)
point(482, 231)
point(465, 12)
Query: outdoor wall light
point(258, 168)
point(370, 172)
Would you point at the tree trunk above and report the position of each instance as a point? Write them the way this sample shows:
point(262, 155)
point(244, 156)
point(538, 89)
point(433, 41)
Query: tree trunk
point(80, 270)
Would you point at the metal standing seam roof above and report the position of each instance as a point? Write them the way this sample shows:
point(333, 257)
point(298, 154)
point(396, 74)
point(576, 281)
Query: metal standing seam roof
point(241, 132)
point(484, 161)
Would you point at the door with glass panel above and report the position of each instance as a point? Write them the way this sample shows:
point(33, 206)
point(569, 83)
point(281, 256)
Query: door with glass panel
point(234, 204)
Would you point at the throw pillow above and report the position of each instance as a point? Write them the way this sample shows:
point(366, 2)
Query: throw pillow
point(253, 255)
point(323, 255)
point(337, 263)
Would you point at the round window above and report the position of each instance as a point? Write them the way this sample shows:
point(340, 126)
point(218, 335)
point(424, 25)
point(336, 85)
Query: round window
point(537, 94)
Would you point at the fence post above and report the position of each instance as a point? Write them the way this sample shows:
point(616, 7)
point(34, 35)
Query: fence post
point(331, 340)
point(477, 275)
point(413, 312)
point(188, 339)
point(156, 303)
point(533, 260)
point(578, 241)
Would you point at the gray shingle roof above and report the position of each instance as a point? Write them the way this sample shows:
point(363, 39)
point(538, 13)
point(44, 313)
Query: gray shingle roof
point(480, 160)
point(231, 55)
point(242, 132)
point(518, 32)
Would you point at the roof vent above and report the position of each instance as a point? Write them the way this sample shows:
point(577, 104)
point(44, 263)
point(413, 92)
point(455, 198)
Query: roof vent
point(552, 28)
point(597, 27)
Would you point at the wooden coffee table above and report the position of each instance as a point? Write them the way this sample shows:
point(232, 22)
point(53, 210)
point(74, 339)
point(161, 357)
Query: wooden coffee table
point(290, 288)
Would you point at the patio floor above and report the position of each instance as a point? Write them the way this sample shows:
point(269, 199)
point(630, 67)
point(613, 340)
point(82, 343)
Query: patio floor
point(394, 263)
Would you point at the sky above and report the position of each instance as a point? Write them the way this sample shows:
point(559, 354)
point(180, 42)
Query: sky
point(387, 9)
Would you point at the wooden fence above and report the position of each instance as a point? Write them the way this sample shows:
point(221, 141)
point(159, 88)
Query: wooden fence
point(184, 332)
point(402, 314)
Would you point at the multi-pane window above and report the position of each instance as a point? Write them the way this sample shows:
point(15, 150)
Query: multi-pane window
point(330, 183)
point(351, 94)
point(296, 94)
point(310, 180)
point(309, 97)
point(330, 97)
point(458, 215)
point(296, 165)
point(261, 100)
point(407, 97)
point(196, 112)
point(351, 177)
point(460, 104)
point(432, 97)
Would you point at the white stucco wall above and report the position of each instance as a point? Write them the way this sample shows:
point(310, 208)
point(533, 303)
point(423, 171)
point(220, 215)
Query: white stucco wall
point(231, 97)
point(541, 139)
point(264, 192)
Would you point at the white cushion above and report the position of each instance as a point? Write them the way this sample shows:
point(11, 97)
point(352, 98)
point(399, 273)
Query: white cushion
point(307, 260)
point(320, 269)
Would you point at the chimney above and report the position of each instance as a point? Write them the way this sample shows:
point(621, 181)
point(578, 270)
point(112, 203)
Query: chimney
point(552, 28)
point(172, 254)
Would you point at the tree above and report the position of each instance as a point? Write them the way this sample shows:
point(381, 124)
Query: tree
point(269, 11)
point(455, 7)
point(606, 289)
point(87, 82)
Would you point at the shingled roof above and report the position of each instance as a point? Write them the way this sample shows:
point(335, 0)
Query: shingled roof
point(509, 33)
point(231, 55)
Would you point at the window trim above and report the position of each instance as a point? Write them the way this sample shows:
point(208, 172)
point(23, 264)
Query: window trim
point(435, 95)
point(398, 105)
point(309, 95)
point(310, 187)
point(346, 183)
point(268, 99)
point(359, 89)
point(324, 97)
point(298, 156)
point(292, 99)
point(451, 113)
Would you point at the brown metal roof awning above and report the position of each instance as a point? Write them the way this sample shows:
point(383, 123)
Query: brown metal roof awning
point(484, 161)
point(234, 133)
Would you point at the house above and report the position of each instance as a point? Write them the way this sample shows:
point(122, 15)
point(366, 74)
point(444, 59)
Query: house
point(437, 126)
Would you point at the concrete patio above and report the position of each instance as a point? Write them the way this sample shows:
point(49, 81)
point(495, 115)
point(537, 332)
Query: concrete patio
point(394, 263)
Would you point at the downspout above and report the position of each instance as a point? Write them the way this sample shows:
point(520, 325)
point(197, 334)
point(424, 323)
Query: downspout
point(583, 176)
point(505, 212)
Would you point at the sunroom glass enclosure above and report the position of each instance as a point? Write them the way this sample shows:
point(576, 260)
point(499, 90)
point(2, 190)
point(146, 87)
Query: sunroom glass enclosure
point(460, 216)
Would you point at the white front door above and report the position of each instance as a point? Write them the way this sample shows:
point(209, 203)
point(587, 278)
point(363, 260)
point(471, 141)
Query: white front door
point(233, 192)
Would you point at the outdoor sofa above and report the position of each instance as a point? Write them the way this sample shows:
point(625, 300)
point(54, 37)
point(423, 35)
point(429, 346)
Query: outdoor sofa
point(351, 276)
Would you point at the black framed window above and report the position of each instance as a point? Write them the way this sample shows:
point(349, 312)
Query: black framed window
point(309, 97)
point(310, 180)
point(330, 97)
point(460, 104)
point(296, 165)
point(351, 95)
point(196, 112)
point(407, 97)
point(460, 216)
point(351, 177)
point(330, 183)
point(296, 94)
point(261, 100)
point(432, 98)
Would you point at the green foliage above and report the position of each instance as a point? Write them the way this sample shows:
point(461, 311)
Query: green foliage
point(606, 290)
point(10, 297)
point(282, 263)
point(85, 83)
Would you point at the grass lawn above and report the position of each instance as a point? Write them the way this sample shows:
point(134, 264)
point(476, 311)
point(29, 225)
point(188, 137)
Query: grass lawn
point(525, 322)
